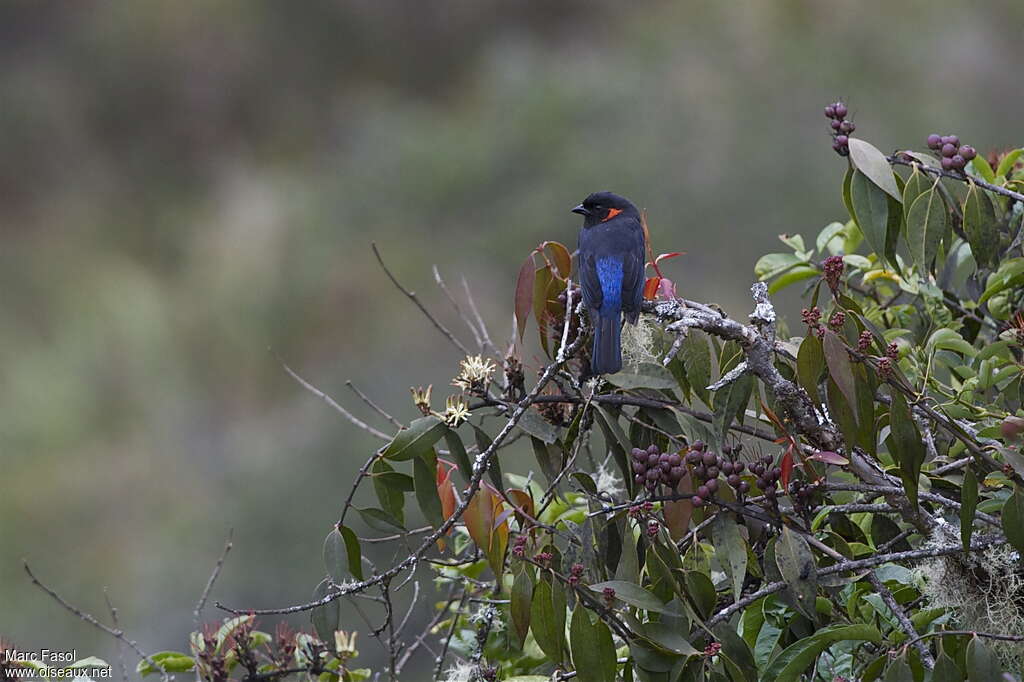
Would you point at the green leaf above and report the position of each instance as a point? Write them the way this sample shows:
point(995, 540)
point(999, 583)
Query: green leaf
point(917, 184)
point(696, 358)
point(874, 166)
point(926, 223)
point(727, 538)
point(946, 670)
point(532, 423)
point(593, 652)
point(1006, 165)
point(948, 339)
point(827, 234)
point(796, 564)
point(968, 505)
point(899, 671)
point(547, 619)
point(772, 264)
point(380, 520)
point(341, 551)
point(906, 445)
point(810, 363)
point(797, 274)
point(521, 600)
point(548, 458)
point(701, 591)
point(424, 472)
point(871, 211)
point(981, 226)
point(738, 658)
point(730, 403)
point(1013, 519)
point(390, 487)
point(982, 664)
point(1010, 274)
point(458, 452)
point(326, 617)
point(982, 169)
point(170, 661)
point(645, 375)
point(839, 368)
point(415, 440)
point(632, 594)
point(792, 661)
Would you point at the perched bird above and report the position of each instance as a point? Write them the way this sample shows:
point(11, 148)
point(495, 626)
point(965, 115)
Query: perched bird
point(611, 272)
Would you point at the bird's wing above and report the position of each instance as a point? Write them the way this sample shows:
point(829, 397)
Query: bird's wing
point(589, 281)
point(633, 273)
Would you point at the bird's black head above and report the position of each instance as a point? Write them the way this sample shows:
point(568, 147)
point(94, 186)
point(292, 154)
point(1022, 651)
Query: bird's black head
point(602, 206)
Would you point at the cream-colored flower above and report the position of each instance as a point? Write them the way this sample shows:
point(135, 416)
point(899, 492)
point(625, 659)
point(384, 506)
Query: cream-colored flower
point(456, 411)
point(421, 398)
point(475, 372)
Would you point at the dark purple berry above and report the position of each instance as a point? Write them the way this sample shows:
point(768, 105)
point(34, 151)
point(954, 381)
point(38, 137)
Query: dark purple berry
point(776, 473)
point(830, 111)
point(712, 472)
point(712, 485)
point(959, 162)
point(693, 457)
point(697, 501)
point(947, 163)
point(847, 127)
point(762, 483)
point(652, 449)
point(652, 475)
point(639, 468)
point(954, 140)
point(948, 149)
point(639, 478)
point(946, 139)
point(698, 445)
point(652, 460)
point(674, 459)
point(738, 467)
point(710, 459)
point(841, 140)
point(703, 491)
point(841, 110)
point(665, 466)
point(699, 471)
point(733, 480)
point(727, 468)
point(968, 152)
point(744, 487)
point(934, 141)
point(836, 124)
point(676, 474)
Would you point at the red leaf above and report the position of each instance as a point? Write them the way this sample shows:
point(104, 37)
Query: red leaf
point(524, 505)
point(651, 287)
point(787, 468)
point(524, 294)
point(666, 256)
point(667, 289)
point(563, 261)
point(445, 490)
point(829, 457)
point(678, 512)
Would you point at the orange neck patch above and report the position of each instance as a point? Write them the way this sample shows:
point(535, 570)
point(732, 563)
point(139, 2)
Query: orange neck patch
point(612, 212)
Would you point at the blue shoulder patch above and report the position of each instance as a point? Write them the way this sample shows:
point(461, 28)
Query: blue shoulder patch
point(609, 273)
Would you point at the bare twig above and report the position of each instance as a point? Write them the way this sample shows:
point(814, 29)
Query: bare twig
point(374, 406)
point(117, 626)
point(197, 613)
point(951, 633)
point(479, 320)
point(333, 403)
point(114, 632)
point(411, 295)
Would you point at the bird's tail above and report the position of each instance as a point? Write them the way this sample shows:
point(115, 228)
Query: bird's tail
point(606, 357)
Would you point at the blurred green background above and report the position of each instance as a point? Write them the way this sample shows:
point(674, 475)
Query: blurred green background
point(185, 185)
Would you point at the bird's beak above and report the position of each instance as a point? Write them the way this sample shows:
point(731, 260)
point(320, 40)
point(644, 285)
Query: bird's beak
point(582, 211)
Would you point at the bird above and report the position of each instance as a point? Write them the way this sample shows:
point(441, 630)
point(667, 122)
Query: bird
point(611, 272)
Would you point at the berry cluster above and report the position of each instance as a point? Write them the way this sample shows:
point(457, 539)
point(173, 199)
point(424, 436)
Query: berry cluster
point(841, 128)
point(519, 546)
point(864, 340)
point(837, 319)
point(954, 155)
point(832, 269)
point(801, 493)
point(653, 468)
point(575, 573)
point(767, 476)
point(706, 468)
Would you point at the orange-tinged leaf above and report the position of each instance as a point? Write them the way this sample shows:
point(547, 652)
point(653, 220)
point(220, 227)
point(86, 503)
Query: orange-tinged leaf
point(479, 519)
point(651, 287)
point(787, 468)
point(524, 505)
point(541, 282)
point(678, 512)
point(446, 491)
point(562, 258)
point(524, 294)
point(829, 457)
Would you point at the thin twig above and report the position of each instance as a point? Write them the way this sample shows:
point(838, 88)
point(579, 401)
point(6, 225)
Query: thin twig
point(117, 626)
point(479, 320)
point(895, 159)
point(411, 295)
point(333, 403)
point(197, 613)
point(974, 633)
point(458, 309)
point(116, 633)
point(377, 408)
